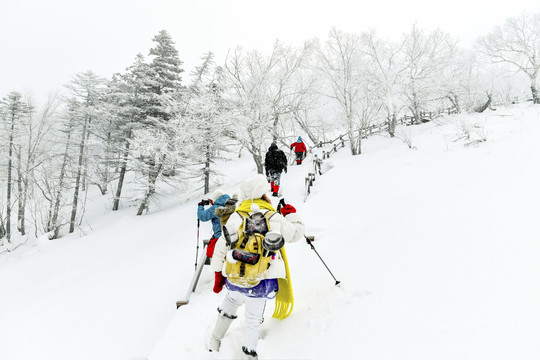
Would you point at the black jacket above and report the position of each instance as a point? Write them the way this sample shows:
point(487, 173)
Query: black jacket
point(275, 159)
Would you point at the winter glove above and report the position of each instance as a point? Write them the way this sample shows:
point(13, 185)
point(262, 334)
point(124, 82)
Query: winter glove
point(287, 209)
point(200, 204)
point(219, 282)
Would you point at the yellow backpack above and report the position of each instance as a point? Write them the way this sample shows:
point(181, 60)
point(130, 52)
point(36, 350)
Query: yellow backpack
point(247, 261)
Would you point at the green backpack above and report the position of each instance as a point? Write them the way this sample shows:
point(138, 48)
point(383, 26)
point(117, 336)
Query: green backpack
point(247, 261)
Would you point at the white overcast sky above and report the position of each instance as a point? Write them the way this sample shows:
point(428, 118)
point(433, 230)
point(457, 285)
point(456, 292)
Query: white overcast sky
point(43, 43)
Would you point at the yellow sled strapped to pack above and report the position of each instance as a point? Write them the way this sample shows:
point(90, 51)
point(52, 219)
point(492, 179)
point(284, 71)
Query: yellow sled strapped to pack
point(284, 297)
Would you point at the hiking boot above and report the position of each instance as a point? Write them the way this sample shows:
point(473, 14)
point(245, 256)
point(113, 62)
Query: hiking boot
point(223, 322)
point(249, 354)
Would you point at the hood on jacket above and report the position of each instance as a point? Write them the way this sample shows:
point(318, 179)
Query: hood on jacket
point(273, 146)
point(216, 194)
point(299, 139)
point(222, 200)
point(254, 187)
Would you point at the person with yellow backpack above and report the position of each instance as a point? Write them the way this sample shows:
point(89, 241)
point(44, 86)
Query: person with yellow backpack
point(250, 261)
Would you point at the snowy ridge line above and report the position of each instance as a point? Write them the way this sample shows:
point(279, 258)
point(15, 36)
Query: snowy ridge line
point(339, 142)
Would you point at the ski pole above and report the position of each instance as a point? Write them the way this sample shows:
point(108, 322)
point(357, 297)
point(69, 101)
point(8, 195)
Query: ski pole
point(280, 205)
point(309, 239)
point(197, 251)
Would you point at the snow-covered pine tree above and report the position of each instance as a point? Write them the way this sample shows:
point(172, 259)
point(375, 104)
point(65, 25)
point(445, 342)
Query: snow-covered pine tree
point(129, 95)
point(166, 89)
point(166, 67)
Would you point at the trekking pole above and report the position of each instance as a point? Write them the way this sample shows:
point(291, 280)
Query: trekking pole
point(291, 157)
point(309, 239)
point(197, 251)
point(280, 205)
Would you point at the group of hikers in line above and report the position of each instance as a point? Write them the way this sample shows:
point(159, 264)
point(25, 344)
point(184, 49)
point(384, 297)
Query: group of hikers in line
point(275, 162)
point(247, 249)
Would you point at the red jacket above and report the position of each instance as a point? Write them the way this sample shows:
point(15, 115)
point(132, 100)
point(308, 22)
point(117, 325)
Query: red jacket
point(299, 146)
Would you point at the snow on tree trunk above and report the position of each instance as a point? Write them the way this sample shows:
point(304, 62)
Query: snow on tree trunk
point(154, 172)
point(9, 178)
point(53, 224)
point(79, 176)
point(123, 168)
point(14, 109)
point(534, 91)
point(21, 197)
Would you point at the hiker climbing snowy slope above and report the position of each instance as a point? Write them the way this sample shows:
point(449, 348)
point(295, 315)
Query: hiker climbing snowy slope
point(442, 239)
point(275, 162)
point(300, 150)
point(258, 278)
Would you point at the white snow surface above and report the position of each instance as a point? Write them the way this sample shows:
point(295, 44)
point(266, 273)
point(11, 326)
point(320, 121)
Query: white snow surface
point(437, 249)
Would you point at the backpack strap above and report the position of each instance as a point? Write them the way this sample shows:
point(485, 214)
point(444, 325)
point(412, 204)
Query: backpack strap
point(244, 216)
point(268, 215)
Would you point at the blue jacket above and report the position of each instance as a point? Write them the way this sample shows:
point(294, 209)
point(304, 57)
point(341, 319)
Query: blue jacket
point(209, 214)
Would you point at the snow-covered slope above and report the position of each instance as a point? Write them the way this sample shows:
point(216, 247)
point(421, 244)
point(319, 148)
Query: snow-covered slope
point(436, 249)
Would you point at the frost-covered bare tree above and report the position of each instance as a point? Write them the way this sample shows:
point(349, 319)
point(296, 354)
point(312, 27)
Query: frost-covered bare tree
point(32, 152)
point(85, 93)
point(205, 118)
point(459, 81)
point(155, 149)
point(344, 65)
point(468, 83)
point(517, 42)
point(102, 149)
point(304, 111)
point(301, 104)
point(286, 90)
point(53, 180)
point(263, 92)
point(386, 64)
point(426, 55)
point(13, 108)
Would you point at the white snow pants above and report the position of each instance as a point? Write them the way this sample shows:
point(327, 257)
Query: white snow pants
point(253, 313)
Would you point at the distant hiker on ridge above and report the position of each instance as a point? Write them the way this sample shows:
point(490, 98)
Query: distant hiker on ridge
point(275, 162)
point(300, 150)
